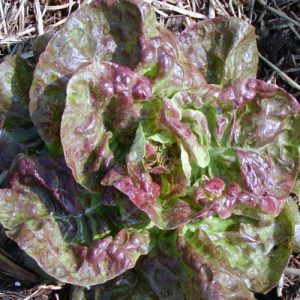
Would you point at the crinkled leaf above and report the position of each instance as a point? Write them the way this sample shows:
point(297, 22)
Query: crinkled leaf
point(161, 61)
point(217, 280)
point(48, 177)
point(14, 93)
point(223, 163)
point(52, 180)
point(17, 131)
point(224, 49)
point(40, 237)
point(111, 97)
point(161, 275)
point(254, 147)
point(102, 31)
point(56, 239)
point(254, 251)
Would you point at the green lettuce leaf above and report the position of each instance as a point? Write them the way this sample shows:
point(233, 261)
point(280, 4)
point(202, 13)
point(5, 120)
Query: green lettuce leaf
point(208, 150)
point(17, 76)
point(164, 64)
point(17, 133)
point(254, 145)
point(223, 48)
point(52, 221)
point(254, 251)
point(102, 31)
point(160, 275)
point(111, 96)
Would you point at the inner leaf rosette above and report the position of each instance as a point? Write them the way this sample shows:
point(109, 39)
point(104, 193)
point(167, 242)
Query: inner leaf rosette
point(212, 150)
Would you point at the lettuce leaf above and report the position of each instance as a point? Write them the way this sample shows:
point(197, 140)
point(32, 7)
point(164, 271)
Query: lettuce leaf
point(223, 48)
point(208, 150)
point(17, 133)
point(52, 235)
point(125, 32)
point(241, 247)
point(17, 76)
point(111, 96)
point(102, 31)
point(160, 275)
point(158, 143)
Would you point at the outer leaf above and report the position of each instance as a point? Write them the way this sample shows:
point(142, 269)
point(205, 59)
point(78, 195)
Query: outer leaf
point(256, 251)
point(169, 70)
point(47, 175)
point(296, 215)
point(41, 239)
point(111, 96)
point(17, 132)
point(254, 144)
point(224, 49)
point(14, 93)
point(45, 233)
point(161, 275)
point(210, 266)
point(102, 31)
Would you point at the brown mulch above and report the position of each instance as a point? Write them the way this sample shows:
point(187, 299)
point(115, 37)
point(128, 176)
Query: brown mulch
point(277, 25)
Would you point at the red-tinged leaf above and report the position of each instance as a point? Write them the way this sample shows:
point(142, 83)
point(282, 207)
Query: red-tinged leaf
point(216, 278)
point(37, 232)
point(101, 31)
point(164, 64)
point(258, 162)
point(254, 251)
point(223, 48)
point(111, 96)
point(46, 174)
point(58, 238)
